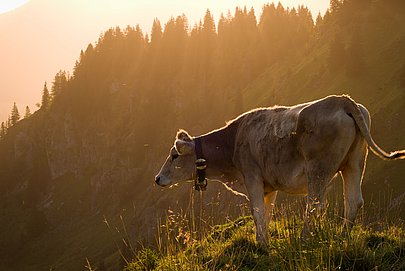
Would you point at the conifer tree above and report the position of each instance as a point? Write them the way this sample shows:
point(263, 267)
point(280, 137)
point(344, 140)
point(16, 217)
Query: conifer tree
point(154, 51)
point(8, 122)
point(3, 130)
point(208, 36)
point(269, 28)
point(46, 99)
point(156, 33)
point(27, 112)
point(319, 24)
point(209, 25)
point(15, 115)
point(59, 83)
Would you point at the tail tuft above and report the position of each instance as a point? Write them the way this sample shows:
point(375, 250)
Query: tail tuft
point(397, 155)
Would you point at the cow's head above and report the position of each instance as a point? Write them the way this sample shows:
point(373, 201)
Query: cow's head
point(180, 165)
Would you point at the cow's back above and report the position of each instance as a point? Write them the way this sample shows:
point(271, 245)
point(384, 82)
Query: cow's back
point(279, 141)
point(266, 140)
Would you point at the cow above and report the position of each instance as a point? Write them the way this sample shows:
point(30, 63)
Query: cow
point(296, 149)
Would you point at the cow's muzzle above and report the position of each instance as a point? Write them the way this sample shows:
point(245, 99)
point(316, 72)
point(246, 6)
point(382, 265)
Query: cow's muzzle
point(157, 179)
point(161, 180)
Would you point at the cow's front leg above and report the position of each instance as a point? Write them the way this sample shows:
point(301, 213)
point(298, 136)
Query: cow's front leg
point(255, 189)
point(269, 200)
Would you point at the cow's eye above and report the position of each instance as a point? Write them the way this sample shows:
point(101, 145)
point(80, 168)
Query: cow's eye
point(174, 156)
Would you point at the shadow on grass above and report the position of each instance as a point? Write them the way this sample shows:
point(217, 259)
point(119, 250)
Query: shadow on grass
point(243, 254)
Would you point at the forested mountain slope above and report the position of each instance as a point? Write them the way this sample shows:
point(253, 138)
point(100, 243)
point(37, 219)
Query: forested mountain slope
point(82, 166)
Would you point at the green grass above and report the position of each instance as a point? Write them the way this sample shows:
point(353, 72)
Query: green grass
point(232, 246)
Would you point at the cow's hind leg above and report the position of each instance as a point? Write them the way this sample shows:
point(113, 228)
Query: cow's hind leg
point(319, 175)
point(352, 174)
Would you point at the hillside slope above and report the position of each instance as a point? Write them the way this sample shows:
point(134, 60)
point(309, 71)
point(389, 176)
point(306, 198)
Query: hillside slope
point(76, 178)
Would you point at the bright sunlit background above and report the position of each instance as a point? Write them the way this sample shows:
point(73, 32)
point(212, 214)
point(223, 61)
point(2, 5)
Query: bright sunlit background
point(40, 37)
point(8, 5)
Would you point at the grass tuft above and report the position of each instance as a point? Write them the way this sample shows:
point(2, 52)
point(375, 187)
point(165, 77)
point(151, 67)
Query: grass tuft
point(146, 259)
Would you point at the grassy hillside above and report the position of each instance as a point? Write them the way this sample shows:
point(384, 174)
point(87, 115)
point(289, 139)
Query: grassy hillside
point(232, 246)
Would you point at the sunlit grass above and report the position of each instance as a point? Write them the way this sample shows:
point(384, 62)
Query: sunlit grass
point(232, 246)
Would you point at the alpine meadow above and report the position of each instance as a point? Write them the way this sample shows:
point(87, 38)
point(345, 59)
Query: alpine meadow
point(77, 189)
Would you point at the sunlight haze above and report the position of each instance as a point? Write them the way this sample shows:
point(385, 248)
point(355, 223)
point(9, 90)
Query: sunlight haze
point(42, 37)
point(202, 135)
point(8, 5)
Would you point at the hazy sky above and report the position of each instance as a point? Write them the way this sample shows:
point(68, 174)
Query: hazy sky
point(42, 37)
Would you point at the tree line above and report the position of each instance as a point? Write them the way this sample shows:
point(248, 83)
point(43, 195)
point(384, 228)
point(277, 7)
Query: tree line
point(12, 119)
point(59, 83)
point(182, 68)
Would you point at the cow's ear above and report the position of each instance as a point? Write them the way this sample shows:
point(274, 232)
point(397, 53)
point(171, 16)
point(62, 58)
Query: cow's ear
point(183, 135)
point(184, 147)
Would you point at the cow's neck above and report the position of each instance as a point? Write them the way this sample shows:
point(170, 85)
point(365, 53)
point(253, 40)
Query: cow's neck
point(218, 149)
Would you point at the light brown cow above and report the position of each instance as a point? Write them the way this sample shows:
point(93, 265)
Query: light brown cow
point(296, 149)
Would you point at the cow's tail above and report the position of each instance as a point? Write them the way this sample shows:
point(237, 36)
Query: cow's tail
point(354, 111)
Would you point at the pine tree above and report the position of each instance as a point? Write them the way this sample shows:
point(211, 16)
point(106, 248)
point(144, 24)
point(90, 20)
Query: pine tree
point(208, 36)
point(27, 112)
point(15, 115)
point(319, 24)
point(8, 122)
point(272, 31)
point(156, 34)
point(154, 52)
point(46, 99)
point(3, 130)
point(59, 83)
point(209, 25)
